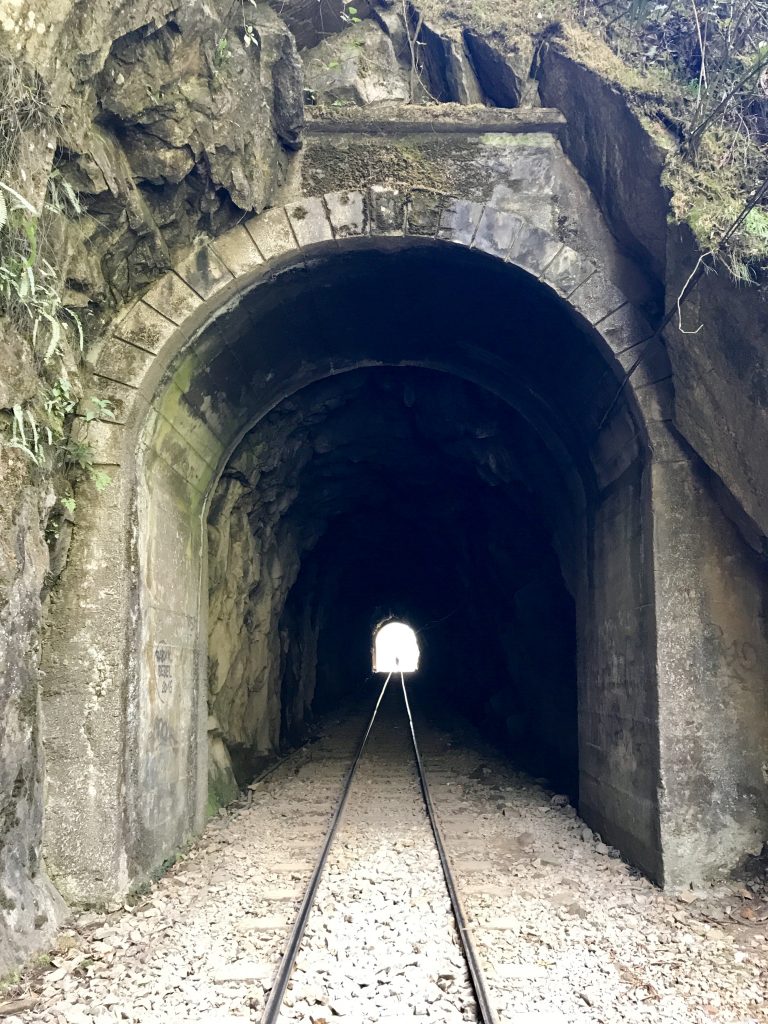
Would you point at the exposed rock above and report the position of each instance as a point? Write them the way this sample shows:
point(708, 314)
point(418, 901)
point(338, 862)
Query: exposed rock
point(222, 785)
point(193, 120)
point(502, 76)
point(446, 73)
point(311, 21)
point(355, 68)
point(30, 909)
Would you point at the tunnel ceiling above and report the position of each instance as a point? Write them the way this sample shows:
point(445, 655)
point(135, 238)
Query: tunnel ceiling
point(379, 491)
point(428, 304)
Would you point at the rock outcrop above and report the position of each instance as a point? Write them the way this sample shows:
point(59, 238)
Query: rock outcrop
point(164, 123)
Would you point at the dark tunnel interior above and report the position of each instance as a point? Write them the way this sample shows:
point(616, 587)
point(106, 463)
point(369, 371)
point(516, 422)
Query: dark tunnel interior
point(405, 492)
point(438, 437)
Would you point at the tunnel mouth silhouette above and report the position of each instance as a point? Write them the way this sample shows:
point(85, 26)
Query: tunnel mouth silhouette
point(377, 396)
point(399, 488)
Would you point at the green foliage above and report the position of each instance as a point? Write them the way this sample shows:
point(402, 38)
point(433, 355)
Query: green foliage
point(31, 303)
point(33, 312)
point(349, 14)
point(47, 440)
point(714, 53)
point(756, 224)
point(221, 53)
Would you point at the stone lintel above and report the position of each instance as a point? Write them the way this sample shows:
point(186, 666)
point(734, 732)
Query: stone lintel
point(441, 118)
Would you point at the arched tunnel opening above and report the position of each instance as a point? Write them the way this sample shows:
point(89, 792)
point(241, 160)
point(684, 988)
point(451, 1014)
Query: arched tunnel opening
point(407, 427)
point(390, 491)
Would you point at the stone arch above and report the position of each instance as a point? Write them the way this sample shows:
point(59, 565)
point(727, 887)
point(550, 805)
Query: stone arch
point(132, 358)
point(130, 679)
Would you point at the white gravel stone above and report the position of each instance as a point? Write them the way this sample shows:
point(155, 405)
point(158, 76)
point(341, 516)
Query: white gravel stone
point(568, 932)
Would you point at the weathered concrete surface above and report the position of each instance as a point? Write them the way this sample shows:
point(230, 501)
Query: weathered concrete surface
point(614, 152)
point(713, 648)
point(30, 909)
point(718, 356)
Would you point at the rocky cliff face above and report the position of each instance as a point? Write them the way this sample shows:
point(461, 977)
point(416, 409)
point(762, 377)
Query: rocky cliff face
point(164, 123)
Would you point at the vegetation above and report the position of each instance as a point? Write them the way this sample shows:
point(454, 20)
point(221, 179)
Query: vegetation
point(711, 61)
point(47, 333)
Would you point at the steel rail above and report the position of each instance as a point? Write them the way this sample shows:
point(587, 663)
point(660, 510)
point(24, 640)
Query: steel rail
point(487, 1013)
point(284, 971)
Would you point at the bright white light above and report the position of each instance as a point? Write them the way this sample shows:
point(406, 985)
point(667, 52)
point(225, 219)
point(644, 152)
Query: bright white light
point(395, 649)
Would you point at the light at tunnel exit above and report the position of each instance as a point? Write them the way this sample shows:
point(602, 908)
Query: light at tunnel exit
point(395, 649)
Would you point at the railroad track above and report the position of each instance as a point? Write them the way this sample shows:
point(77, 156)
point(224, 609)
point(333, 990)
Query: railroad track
point(434, 947)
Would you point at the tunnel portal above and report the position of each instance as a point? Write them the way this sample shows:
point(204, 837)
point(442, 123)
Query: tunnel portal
point(382, 390)
point(395, 647)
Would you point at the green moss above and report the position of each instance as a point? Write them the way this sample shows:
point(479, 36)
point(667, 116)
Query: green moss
point(222, 789)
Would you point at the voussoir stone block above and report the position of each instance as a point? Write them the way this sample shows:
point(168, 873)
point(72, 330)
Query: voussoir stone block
point(173, 297)
point(123, 362)
point(497, 231)
point(653, 362)
point(309, 221)
point(423, 210)
point(567, 271)
point(533, 249)
point(346, 213)
point(237, 251)
point(105, 440)
point(459, 219)
point(272, 233)
point(597, 298)
point(144, 327)
point(204, 272)
point(625, 328)
point(387, 206)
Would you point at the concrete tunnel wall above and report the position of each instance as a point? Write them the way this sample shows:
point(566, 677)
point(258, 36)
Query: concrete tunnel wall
point(195, 364)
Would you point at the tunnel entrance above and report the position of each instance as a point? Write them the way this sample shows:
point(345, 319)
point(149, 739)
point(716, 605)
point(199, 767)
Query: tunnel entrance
point(442, 417)
point(343, 411)
point(395, 648)
point(399, 488)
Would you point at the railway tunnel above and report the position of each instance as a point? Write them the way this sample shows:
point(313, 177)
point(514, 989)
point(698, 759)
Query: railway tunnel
point(421, 429)
point(380, 318)
point(325, 427)
point(415, 489)
point(418, 484)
